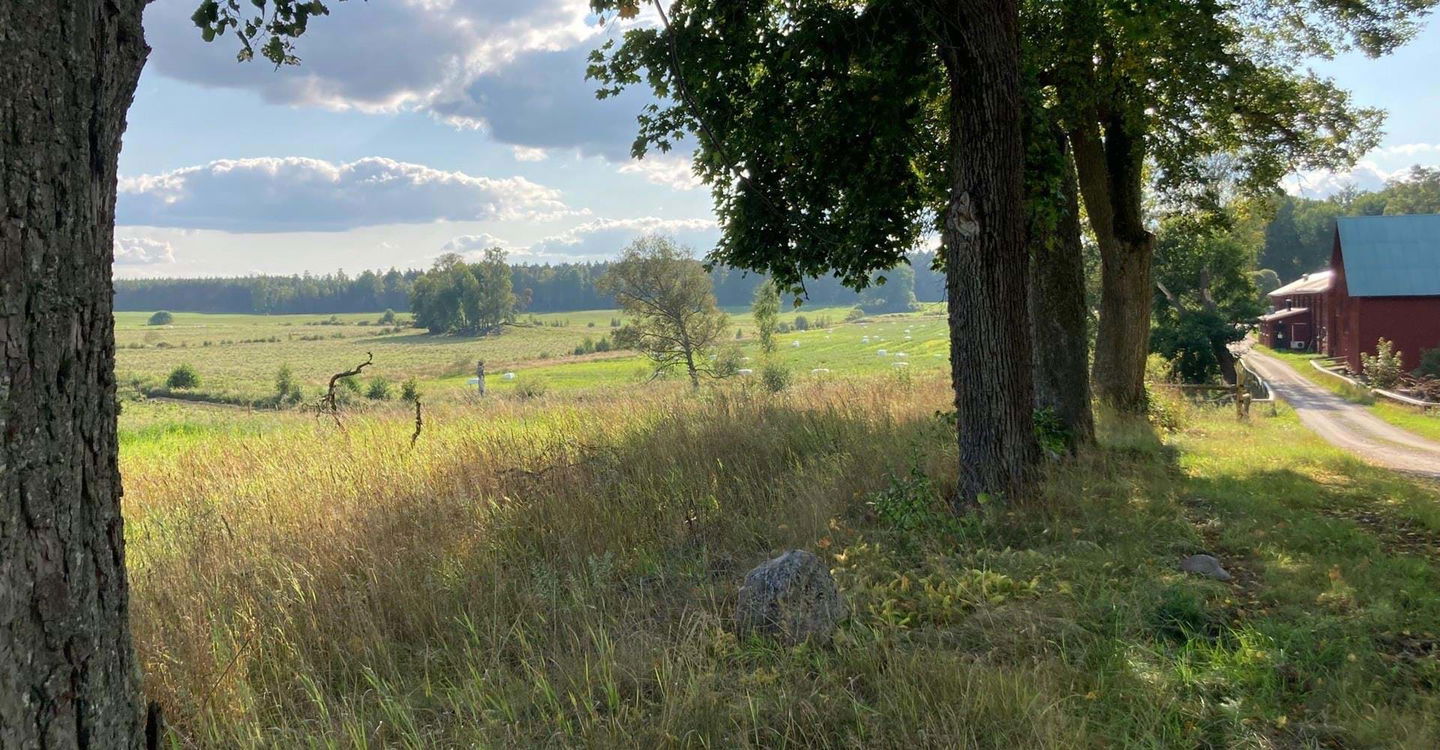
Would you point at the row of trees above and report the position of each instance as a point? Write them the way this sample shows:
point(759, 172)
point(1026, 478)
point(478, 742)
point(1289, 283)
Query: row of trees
point(559, 287)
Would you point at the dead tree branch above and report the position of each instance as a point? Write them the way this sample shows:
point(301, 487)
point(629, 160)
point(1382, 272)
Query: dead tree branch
point(419, 423)
point(327, 404)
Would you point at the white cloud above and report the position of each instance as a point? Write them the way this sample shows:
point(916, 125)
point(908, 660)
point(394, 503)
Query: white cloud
point(142, 251)
point(515, 68)
point(475, 244)
point(294, 194)
point(1378, 167)
point(600, 239)
point(671, 171)
point(605, 238)
point(525, 153)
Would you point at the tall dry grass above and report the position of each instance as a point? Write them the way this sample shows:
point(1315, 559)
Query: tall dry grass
point(542, 573)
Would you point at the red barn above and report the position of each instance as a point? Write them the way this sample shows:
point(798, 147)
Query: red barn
point(1297, 320)
point(1386, 285)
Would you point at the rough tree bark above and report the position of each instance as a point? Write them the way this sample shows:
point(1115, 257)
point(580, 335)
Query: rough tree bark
point(986, 261)
point(68, 675)
point(1110, 173)
point(1057, 286)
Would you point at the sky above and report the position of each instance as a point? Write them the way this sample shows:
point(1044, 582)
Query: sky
point(412, 128)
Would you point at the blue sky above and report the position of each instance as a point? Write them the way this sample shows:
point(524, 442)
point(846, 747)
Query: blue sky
point(413, 127)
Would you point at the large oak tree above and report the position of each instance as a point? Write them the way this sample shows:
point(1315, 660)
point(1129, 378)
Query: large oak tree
point(834, 136)
point(68, 71)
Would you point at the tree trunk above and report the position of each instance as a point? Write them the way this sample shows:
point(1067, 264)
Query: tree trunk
point(68, 675)
point(1110, 175)
point(986, 261)
point(1057, 286)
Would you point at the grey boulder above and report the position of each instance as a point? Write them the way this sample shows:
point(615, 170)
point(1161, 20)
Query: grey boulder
point(1205, 565)
point(791, 598)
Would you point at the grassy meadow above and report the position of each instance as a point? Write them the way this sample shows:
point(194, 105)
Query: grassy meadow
point(560, 571)
point(237, 356)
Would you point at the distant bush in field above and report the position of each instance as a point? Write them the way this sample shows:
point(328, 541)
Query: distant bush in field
point(728, 361)
point(775, 376)
point(387, 318)
point(531, 386)
point(287, 389)
point(802, 323)
point(614, 322)
point(161, 318)
point(379, 389)
point(603, 344)
point(182, 377)
point(410, 391)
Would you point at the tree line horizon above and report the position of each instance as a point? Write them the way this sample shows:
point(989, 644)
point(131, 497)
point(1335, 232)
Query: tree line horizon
point(552, 287)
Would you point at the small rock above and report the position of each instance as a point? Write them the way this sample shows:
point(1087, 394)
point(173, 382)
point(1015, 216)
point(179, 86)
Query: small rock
point(791, 598)
point(1205, 565)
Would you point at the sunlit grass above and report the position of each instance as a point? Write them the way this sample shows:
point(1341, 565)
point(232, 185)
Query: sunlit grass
point(560, 572)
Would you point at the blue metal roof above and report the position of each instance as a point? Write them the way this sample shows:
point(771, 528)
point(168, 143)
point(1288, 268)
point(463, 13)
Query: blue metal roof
point(1391, 256)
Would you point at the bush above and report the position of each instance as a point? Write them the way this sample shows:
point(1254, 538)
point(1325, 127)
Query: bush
point(1383, 369)
point(287, 389)
point(1429, 364)
point(603, 345)
point(161, 318)
point(775, 376)
point(410, 391)
point(379, 389)
point(727, 363)
point(802, 323)
point(531, 386)
point(387, 318)
point(614, 322)
point(182, 377)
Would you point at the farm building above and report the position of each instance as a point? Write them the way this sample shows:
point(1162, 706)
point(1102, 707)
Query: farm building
point(1386, 285)
point(1296, 322)
point(1383, 282)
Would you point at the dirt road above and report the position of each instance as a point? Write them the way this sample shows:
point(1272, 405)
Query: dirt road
point(1346, 425)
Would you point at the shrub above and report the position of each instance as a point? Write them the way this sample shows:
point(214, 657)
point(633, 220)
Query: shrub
point(379, 389)
point(1384, 368)
point(775, 376)
point(603, 345)
point(614, 322)
point(387, 318)
point(1429, 364)
point(531, 386)
point(287, 389)
point(182, 377)
point(727, 363)
point(855, 314)
point(410, 391)
point(161, 318)
point(802, 323)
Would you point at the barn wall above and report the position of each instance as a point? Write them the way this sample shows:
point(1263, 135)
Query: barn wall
point(1413, 323)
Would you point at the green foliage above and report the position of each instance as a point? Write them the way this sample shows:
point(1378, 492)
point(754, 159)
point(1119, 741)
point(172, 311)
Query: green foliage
point(729, 361)
point(1429, 364)
point(529, 386)
point(669, 298)
point(1181, 614)
point(387, 318)
point(182, 377)
point(287, 388)
point(891, 293)
point(378, 390)
point(410, 391)
point(269, 27)
point(459, 297)
point(1051, 432)
point(1384, 368)
point(775, 376)
point(161, 318)
point(1207, 293)
point(765, 310)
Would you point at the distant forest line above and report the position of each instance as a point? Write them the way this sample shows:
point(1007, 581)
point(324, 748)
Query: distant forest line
point(562, 287)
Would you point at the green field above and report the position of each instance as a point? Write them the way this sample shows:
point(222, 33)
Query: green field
point(238, 356)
